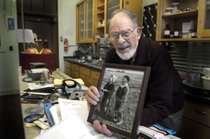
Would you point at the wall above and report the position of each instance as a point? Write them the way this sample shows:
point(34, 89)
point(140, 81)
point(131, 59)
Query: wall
point(9, 60)
point(67, 28)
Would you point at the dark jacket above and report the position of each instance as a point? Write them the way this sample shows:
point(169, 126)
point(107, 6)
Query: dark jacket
point(164, 93)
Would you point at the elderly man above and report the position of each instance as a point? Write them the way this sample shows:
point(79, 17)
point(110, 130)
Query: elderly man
point(164, 97)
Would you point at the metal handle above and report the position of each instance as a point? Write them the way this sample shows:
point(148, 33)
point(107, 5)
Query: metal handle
point(202, 112)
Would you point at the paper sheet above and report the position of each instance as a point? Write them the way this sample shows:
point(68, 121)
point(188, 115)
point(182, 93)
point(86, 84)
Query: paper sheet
point(74, 124)
point(70, 128)
point(34, 86)
point(73, 108)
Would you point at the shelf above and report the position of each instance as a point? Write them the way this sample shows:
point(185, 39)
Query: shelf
point(101, 27)
point(183, 39)
point(38, 14)
point(100, 13)
point(182, 14)
point(101, 6)
point(113, 7)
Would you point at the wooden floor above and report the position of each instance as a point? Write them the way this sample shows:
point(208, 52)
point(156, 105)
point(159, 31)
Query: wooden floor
point(11, 124)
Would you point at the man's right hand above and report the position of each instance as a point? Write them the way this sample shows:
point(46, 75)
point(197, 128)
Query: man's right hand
point(92, 95)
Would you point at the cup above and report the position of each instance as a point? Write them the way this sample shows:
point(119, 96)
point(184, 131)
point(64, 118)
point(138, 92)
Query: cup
point(206, 72)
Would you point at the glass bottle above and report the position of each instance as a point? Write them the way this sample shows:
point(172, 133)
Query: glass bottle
point(167, 31)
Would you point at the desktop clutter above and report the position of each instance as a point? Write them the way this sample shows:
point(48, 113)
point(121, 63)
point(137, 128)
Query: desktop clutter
point(61, 110)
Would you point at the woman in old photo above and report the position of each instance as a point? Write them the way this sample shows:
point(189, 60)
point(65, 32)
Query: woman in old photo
point(108, 91)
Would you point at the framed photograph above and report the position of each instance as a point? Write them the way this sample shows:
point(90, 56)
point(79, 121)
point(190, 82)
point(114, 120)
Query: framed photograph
point(123, 89)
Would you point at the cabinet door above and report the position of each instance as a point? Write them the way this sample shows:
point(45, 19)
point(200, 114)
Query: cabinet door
point(134, 6)
point(88, 20)
point(183, 20)
point(99, 12)
point(203, 18)
point(81, 21)
point(111, 6)
point(84, 21)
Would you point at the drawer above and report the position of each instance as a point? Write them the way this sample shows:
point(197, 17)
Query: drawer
point(86, 79)
point(95, 74)
point(94, 82)
point(85, 71)
point(193, 130)
point(74, 74)
point(74, 67)
point(67, 64)
point(68, 71)
point(197, 112)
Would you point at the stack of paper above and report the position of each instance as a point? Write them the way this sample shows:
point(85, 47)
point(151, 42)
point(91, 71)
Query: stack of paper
point(70, 117)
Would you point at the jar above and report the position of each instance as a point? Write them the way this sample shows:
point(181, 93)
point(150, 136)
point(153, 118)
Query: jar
point(168, 10)
point(167, 31)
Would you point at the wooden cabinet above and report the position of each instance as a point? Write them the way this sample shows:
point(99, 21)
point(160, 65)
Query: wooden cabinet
point(94, 77)
point(75, 70)
point(203, 18)
point(84, 73)
point(193, 11)
point(67, 68)
point(84, 21)
point(111, 6)
point(196, 121)
point(89, 75)
point(71, 69)
point(132, 5)
point(99, 11)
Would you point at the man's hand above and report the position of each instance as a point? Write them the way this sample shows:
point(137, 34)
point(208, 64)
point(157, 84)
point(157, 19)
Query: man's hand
point(92, 95)
point(102, 128)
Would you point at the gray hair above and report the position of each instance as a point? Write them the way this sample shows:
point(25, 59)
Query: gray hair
point(132, 16)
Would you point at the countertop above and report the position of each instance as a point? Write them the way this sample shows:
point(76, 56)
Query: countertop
point(93, 63)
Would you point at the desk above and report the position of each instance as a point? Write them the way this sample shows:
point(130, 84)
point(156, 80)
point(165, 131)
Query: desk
point(31, 132)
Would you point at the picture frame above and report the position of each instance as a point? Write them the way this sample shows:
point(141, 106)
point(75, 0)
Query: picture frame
point(121, 108)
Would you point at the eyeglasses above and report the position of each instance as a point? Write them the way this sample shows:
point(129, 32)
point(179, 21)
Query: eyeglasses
point(126, 34)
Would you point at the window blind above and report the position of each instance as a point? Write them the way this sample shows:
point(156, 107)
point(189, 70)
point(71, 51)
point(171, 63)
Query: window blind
point(190, 56)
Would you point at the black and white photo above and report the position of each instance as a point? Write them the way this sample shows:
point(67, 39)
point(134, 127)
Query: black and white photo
point(122, 90)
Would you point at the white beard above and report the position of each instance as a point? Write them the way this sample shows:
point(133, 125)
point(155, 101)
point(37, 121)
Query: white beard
point(127, 56)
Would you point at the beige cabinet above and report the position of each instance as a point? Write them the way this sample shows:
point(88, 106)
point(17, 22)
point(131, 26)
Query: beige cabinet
point(186, 16)
point(84, 22)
